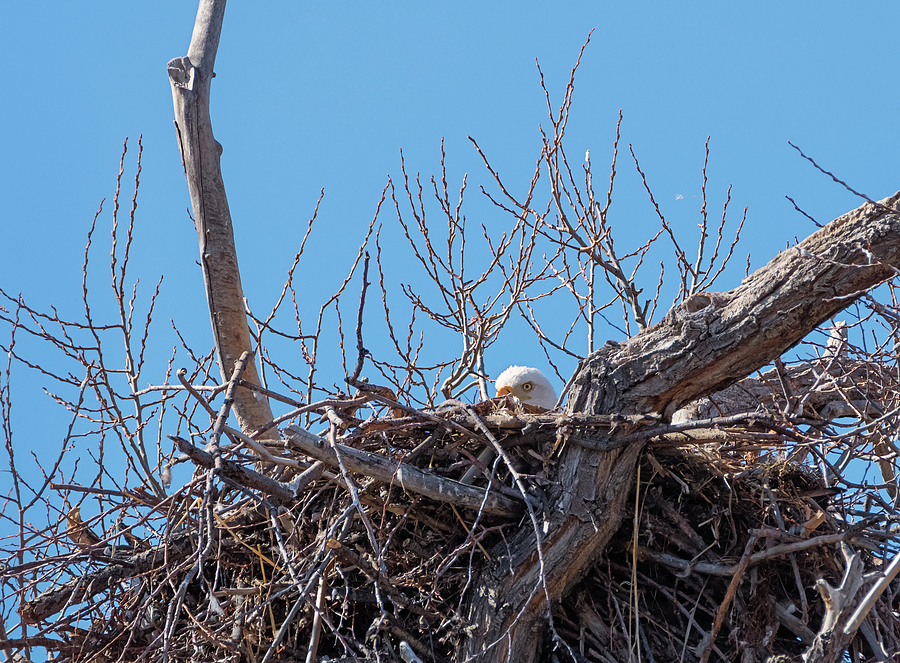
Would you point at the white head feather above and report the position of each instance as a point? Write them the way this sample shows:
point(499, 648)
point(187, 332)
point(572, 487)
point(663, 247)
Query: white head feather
point(528, 385)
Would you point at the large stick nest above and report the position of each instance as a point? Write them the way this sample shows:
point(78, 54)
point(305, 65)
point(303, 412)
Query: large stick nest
point(720, 562)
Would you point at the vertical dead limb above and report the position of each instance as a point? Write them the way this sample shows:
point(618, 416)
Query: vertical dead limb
point(191, 78)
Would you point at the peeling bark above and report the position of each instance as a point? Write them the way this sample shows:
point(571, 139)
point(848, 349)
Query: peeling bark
point(715, 339)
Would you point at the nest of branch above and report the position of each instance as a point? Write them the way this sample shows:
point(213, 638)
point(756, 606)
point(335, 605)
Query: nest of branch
point(722, 558)
point(722, 562)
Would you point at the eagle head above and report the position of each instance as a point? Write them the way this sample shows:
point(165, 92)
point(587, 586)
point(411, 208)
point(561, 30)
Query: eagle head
point(528, 385)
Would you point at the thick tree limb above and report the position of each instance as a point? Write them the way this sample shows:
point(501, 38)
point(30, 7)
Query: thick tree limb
point(849, 386)
point(715, 339)
point(701, 346)
point(190, 78)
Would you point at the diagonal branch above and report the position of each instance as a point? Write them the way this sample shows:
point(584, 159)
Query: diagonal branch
point(404, 475)
point(715, 339)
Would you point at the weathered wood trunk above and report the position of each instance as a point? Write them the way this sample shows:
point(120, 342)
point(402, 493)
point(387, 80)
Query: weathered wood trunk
point(701, 346)
point(190, 78)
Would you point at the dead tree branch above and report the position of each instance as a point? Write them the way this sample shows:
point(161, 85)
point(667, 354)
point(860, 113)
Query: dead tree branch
point(191, 78)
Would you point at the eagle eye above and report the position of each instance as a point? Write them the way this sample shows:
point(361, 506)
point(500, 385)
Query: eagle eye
point(528, 386)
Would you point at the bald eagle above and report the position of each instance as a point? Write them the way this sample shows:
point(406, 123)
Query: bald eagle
point(528, 385)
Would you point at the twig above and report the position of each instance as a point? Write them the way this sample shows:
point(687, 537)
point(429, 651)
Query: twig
point(836, 180)
point(353, 379)
point(239, 366)
point(729, 596)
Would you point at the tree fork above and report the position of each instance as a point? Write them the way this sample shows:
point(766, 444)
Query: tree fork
point(702, 346)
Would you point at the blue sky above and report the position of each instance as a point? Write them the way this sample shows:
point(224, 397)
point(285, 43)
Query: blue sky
point(325, 95)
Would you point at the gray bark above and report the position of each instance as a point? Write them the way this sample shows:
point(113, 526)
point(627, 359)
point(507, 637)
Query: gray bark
point(190, 78)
